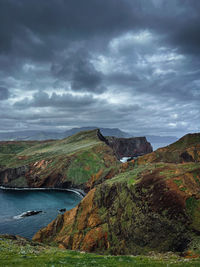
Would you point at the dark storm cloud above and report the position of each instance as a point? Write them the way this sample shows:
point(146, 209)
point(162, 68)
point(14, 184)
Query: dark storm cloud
point(42, 99)
point(74, 19)
point(132, 64)
point(31, 28)
point(82, 74)
point(185, 31)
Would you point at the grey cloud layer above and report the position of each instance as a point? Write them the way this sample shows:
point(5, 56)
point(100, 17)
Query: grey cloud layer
point(132, 64)
point(4, 93)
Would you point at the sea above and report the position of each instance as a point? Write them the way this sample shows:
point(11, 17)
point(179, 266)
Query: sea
point(14, 203)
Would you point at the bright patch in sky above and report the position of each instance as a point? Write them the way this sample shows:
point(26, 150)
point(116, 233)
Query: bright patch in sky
point(130, 39)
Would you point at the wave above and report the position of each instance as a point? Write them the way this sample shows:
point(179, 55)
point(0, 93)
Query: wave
point(20, 216)
point(74, 190)
point(27, 214)
point(124, 159)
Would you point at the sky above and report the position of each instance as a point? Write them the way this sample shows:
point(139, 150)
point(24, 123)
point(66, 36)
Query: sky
point(130, 64)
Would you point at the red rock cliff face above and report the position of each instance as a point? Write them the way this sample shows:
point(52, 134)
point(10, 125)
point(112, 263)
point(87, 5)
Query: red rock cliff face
point(145, 207)
point(160, 211)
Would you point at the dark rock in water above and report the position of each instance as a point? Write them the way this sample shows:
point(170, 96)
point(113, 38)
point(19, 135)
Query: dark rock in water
point(62, 210)
point(30, 213)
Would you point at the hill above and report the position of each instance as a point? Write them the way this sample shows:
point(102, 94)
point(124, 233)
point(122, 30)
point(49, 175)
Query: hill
point(152, 203)
point(31, 135)
point(65, 163)
point(46, 135)
point(105, 131)
point(76, 161)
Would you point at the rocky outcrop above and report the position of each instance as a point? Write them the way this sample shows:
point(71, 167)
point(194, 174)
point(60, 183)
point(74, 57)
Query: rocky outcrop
point(129, 147)
point(67, 163)
point(75, 162)
point(124, 217)
point(27, 214)
point(145, 207)
point(14, 176)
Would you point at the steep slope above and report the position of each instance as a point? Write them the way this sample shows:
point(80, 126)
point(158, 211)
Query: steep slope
point(77, 161)
point(151, 206)
point(129, 147)
point(186, 149)
point(105, 131)
point(70, 162)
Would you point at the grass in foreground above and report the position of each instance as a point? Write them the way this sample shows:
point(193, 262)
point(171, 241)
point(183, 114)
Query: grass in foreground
point(24, 253)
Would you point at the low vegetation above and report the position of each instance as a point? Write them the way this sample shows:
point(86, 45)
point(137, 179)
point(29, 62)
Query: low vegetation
point(20, 252)
point(151, 203)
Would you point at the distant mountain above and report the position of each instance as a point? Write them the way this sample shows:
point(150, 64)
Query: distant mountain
point(156, 141)
point(46, 135)
point(29, 135)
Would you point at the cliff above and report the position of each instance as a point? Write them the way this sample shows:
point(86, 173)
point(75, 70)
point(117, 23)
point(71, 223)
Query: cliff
point(82, 161)
point(148, 205)
point(129, 147)
point(66, 163)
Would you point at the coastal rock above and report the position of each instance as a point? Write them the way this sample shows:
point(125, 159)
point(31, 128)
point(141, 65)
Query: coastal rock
point(74, 162)
point(145, 207)
point(67, 163)
point(7, 176)
point(62, 210)
point(27, 214)
point(31, 213)
point(129, 147)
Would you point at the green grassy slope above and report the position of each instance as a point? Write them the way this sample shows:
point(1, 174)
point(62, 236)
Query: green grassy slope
point(186, 149)
point(13, 154)
point(20, 252)
point(148, 205)
point(52, 163)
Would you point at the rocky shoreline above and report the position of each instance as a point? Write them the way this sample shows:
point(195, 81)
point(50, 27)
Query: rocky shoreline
point(74, 190)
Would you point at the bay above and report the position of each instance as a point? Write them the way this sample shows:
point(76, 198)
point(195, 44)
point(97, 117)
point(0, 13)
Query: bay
point(15, 202)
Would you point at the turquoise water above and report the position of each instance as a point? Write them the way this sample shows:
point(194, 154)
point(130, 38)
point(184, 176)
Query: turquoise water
point(14, 203)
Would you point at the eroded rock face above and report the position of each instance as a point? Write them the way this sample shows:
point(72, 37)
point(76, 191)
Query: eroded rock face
point(145, 207)
point(74, 223)
point(132, 218)
point(93, 158)
point(10, 174)
point(129, 147)
point(124, 218)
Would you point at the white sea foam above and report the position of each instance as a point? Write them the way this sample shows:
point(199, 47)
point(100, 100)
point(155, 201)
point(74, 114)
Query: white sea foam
point(20, 216)
point(124, 159)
